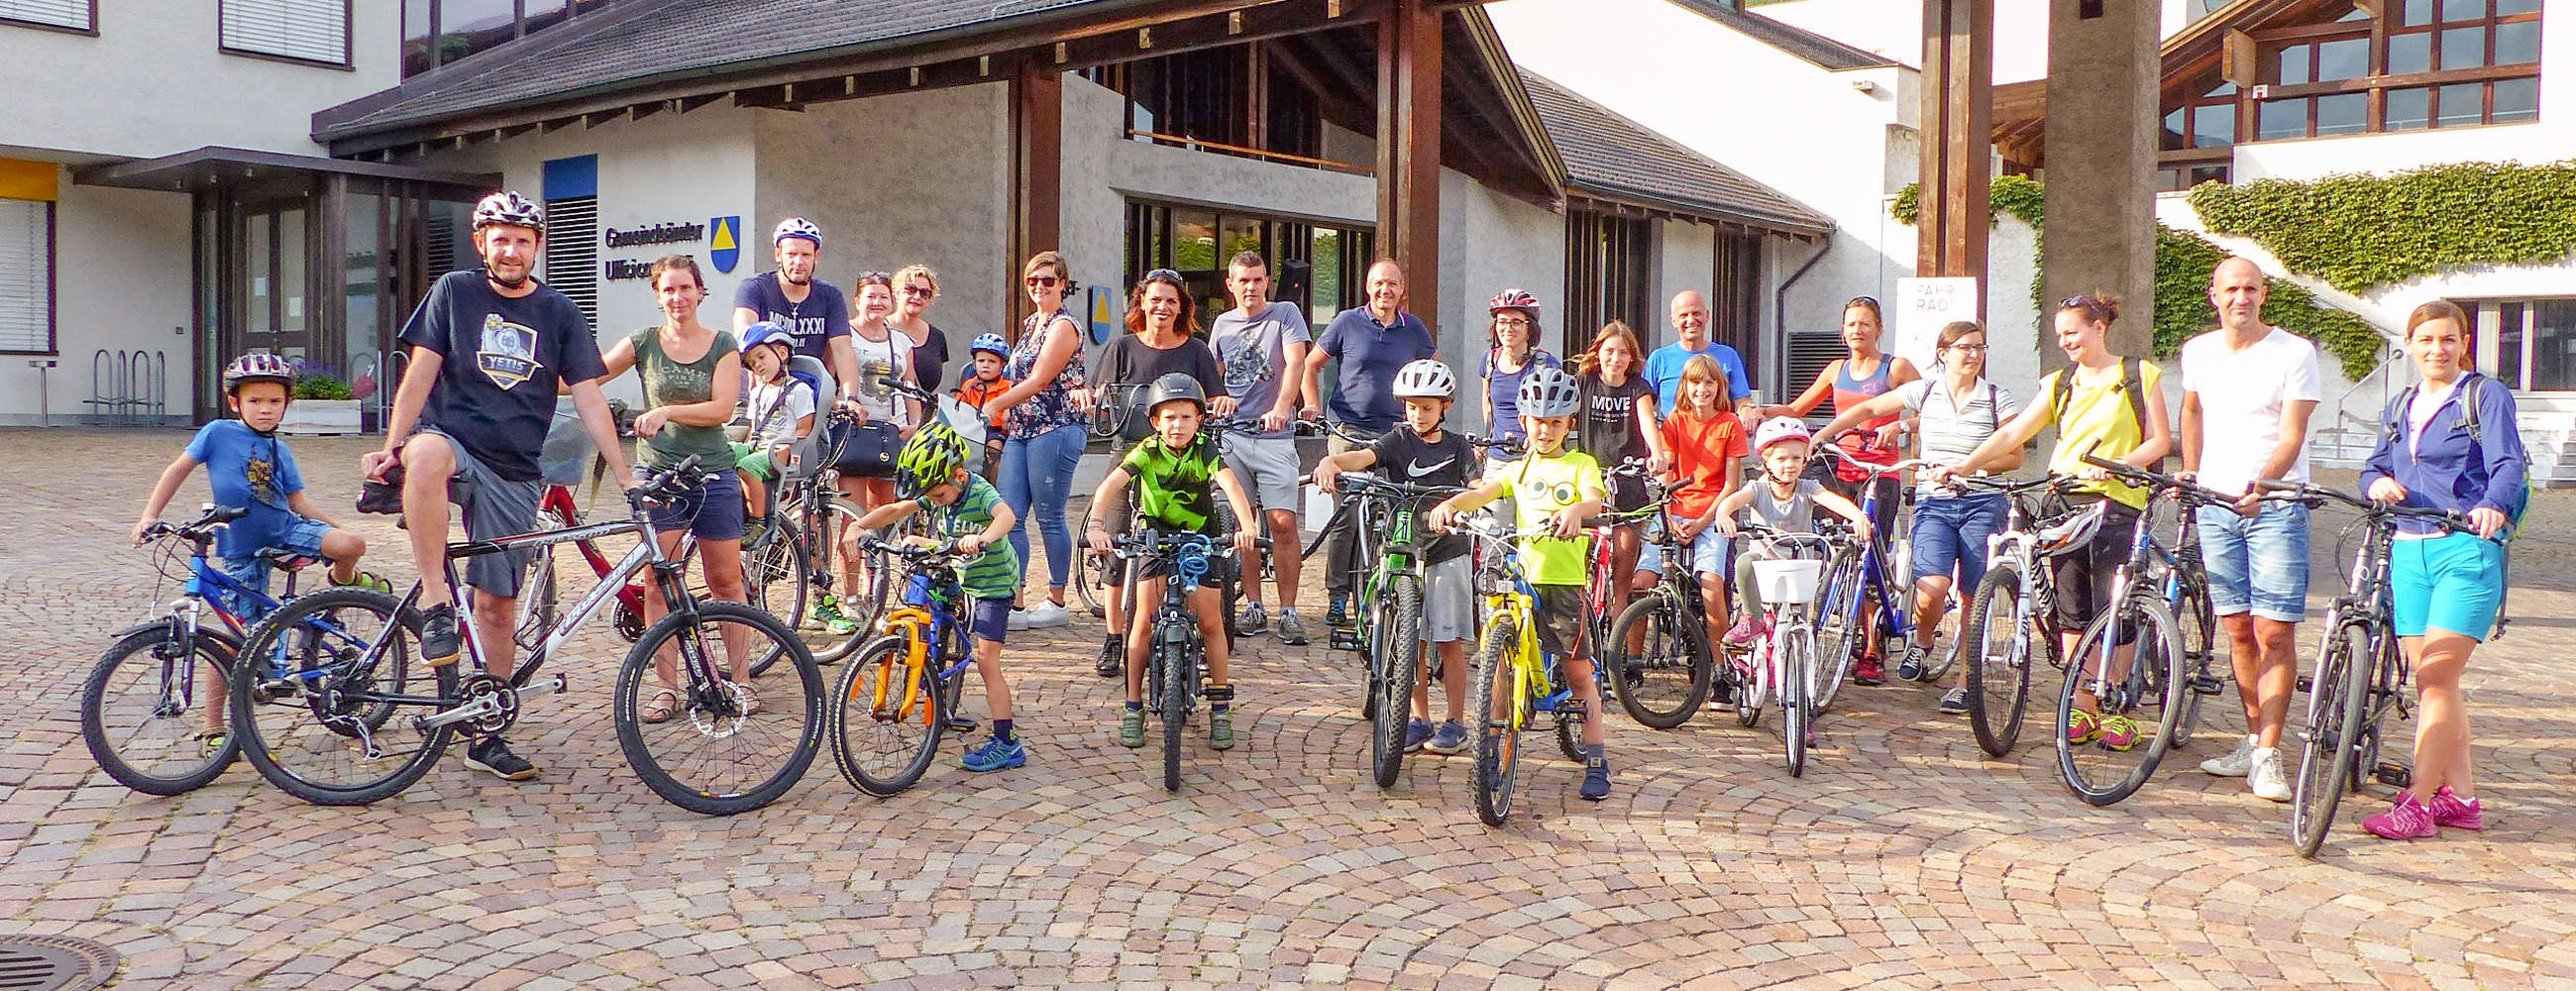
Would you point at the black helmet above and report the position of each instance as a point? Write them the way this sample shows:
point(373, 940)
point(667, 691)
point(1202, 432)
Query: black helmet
point(1175, 386)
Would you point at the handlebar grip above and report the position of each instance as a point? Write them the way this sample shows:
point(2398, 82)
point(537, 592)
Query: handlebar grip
point(2277, 485)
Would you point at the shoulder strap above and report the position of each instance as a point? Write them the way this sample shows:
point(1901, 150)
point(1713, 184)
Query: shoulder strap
point(2395, 414)
point(2132, 381)
point(2469, 405)
point(1994, 414)
point(2058, 397)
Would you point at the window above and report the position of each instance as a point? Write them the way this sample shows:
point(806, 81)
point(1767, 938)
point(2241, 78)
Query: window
point(2199, 134)
point(1608, 272)
point(26, 277)
point(436, 32)
point(571, 189)
point(1231, 100)
point(69, 15)
point(1313, 265)
point(304, 30)
point(2424, 64)
point(2533, 341)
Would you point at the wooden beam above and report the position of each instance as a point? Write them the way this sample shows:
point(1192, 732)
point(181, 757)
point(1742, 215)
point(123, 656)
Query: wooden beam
point(689, 103)
point(1408, 150)
point(643, 110)
point(598, 117)
point(1958, 133)
point(1037, 168)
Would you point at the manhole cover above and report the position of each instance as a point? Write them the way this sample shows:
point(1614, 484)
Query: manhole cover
point(54, 963)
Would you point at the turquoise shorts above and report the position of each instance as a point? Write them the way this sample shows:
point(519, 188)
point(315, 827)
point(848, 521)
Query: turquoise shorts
point(2453, 583)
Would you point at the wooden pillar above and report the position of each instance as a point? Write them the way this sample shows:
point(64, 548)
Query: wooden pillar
point(1037, 171)
point(1957, 136)
point(1408, 150)
point(2101, 138)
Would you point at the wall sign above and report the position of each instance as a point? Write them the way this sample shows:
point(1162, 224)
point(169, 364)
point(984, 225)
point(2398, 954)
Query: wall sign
point(634, 237)
point(1922, 307)
point(724, 243)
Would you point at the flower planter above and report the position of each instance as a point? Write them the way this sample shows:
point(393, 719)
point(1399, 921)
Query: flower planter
point(320, 417)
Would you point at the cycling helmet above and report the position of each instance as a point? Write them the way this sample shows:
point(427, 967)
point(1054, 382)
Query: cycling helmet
point(1515, 299)
point(797, 227)
point(1425, 378)
point(932, 456)
point(990, 342)
point(510, 208)
point(1548, 391)
point(2072, 532)
point(765, 332)
point(260, 367)
point(1778, 429)
point(1175, 387)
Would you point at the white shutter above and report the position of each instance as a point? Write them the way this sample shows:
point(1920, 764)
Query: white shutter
point(315, 30)
point(26, 277)
point(72, 14)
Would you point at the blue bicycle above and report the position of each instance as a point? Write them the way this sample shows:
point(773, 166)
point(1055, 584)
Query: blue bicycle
point(1869, 590)
point(900, 693)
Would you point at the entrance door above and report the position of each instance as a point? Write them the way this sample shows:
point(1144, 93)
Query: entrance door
point(276, 313)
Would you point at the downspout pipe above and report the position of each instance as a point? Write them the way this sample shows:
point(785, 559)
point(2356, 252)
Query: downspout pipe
point(1780, 307)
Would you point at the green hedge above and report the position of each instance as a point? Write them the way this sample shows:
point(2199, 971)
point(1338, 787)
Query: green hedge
point(2362, 232)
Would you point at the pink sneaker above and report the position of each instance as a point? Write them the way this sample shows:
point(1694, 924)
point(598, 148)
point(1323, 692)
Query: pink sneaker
point(2406, 820)
point(2449, 812)
point(1746, 630)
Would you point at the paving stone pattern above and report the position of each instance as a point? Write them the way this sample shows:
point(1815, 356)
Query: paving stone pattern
point(1903, 859)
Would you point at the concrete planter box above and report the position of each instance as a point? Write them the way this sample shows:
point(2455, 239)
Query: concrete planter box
point(320, 417)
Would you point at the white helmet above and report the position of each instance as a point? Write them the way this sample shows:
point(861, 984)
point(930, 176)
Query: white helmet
point(797, 227)
point(1547, 392)
point(2073, 532)
point(1779, 429)
point(1425, 378)
point(509, 208)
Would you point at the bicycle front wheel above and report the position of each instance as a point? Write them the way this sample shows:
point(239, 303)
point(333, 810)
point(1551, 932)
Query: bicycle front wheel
point(309, 699)
point(2194, 624)
point(2337, 708)
point(1180, 664)
point(1798, 676)
point(774, 579)
point(2098, 769)
point(1846, 627)
point(734, 744)
point(139, 710)
point(1663, 680)
point(1090, 580)
point(1499, 710)
point(1999, 653)
point(886, 718)
point(1397, 661)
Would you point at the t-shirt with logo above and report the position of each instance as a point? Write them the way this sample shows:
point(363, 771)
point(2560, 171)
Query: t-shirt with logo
point(825, 313)
point(669, 381)
point(995, 573)
point(1176, 489)
point(251, 470)
point(501, 362)
point(1541, 487)
point(1700, 449)
point(1403, 456)
point(880, 366)
point(1254, 352)
point(1608, 430)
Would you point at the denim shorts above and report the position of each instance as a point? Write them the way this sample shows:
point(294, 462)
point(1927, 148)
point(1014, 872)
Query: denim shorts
point(989, 619)
point(2453, 583)
point(1951, 533)
point(302, 538)
point(1708, 553)
point(713, 512)
point(2259, 564)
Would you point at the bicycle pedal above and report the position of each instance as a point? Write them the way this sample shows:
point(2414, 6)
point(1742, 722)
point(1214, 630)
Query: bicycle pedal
point(2307, 684)
point(1572, 710)
point(2207, 684)
point(2393, 774)
point(1345, 639)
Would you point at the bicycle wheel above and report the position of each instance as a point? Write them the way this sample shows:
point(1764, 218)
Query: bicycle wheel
point(1754, 665)
point(2151, 694)
point(1090, 581)
point(832, 562)
point(139, 709)
point(1844, 628)
point(1180, 662)
point(1396, 664)
point(733, 746)
point(2336, 712)
point(1999, 659)
point(1497, 705)
point(1373, 647)
point(886, 720)
point(1798, 708)
point(775, 580)
point(2194, 630)
point(1664, 681)
point(308, 699)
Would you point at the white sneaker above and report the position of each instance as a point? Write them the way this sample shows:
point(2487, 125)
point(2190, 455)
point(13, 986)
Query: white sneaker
point(2233, 764)
point(1046, 614)
point(2266, 778)
point(1019, 620)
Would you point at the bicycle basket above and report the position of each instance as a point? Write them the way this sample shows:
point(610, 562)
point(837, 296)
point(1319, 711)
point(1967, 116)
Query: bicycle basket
point(1790, 582)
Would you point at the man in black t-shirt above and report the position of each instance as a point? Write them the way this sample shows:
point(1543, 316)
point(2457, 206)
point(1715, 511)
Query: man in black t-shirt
point(813, 311)
point(489, 352)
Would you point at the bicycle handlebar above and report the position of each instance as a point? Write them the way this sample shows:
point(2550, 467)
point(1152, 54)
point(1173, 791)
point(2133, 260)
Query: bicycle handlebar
point(2304, 492)
point(668, 484)
point(1824, 451)
point(2124, 471)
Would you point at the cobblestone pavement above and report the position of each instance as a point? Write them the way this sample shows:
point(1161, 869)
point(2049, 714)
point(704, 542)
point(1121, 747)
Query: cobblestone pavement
point(1903, 859)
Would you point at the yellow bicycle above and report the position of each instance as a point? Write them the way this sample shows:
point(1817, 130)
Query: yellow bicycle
point(1515, 681)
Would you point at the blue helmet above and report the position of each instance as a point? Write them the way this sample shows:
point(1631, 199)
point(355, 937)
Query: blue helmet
point(765, 332)
point(990, 342)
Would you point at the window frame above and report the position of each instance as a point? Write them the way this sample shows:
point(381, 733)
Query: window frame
point(2487, 314)
point(53, 286)
point(87, 32)
point(348, 41)
point(2376, 85)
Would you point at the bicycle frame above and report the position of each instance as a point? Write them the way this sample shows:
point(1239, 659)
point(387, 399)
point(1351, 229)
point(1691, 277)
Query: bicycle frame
point(1895, 614)
point(928, 622)
point(1534, 672)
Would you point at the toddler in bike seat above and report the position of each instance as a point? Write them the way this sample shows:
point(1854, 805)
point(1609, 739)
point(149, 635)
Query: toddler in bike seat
point(991, 355)
point(1784, 500)
point(782, 413)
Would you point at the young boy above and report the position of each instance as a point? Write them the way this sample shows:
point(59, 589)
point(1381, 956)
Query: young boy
point(782, 413)
point(1556, 488)
point(1783, 500)
point(991, 353)
point(1429, 456)
point(1175, 471)
point(931, 476)
point(249, 467)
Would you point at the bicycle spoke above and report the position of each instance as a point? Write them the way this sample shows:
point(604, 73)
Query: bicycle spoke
point(306, 700)
point(145, 707)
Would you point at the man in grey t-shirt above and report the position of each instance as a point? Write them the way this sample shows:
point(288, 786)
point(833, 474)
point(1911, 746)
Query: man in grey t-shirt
point(1261, 346)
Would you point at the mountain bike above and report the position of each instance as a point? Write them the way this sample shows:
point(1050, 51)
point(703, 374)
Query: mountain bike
point(900, 693)
point(323, 676)
point(1514, 680)
point(1391, 621)
point(1176, 656)
point(2011, 620)
point(1656, 654)
point(1868, 593)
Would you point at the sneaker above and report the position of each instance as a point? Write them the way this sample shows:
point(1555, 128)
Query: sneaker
point(1955, 703)
point(752, 530)
point(1019, 619)
point(1868, 672)
point(438, 635)
point(2451, 812)
point(1048, 614)
point(1416, 733)
point(2234, 763)
point(1450, 738)
point(1910, 668)
point(1743, 633)
point(2267, 779)
point(1221, 729)
point(828, 615)
point(2120, 733)
point(2082, 727)
point(1340, 613)
point(997, 754)
point(1254, 619)
point(492, 755)
point(1131, 726)
point(211, 742)
point(1113, 655)
point(1292, 630)
point(1721, 697)
point(1596, 780)
point(368, 580)
point(2408, 819)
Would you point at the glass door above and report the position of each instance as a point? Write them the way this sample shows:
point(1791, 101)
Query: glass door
point(275, 313)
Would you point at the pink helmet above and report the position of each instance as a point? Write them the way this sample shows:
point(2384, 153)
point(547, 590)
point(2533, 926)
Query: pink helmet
point(1515, 299)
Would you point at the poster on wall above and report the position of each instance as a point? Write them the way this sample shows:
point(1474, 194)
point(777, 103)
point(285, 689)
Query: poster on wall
point(1923, 306)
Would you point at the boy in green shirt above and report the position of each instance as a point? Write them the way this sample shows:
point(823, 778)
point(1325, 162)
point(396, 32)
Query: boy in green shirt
point(931, 475)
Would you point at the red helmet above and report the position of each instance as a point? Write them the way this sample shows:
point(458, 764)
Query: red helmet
point(1515, 299)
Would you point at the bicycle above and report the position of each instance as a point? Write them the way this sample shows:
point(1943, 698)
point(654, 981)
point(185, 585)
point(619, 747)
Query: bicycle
point(1787, 662)
point(908, 679)
point(2012, 609)
point(1667, 624)
point(1390, 628)
point(1868, 594)
point(152, 744)
point(2361, 669)
point(1514, 679)
point(1176, 656)
point(324, 653)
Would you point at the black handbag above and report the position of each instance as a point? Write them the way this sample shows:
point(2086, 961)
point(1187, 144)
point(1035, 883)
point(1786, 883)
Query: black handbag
point(866, 449)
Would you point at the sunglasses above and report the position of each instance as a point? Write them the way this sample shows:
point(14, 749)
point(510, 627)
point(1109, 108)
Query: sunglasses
point(876, 279)
point(1868, 301)
point(1041, 280)
point(924, 292)
point(1164, 275)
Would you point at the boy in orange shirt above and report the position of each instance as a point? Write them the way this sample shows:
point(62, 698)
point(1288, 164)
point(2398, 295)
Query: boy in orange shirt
point(990, 353)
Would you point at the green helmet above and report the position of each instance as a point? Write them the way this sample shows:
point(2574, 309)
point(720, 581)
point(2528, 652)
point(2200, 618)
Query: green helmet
point(931, 457)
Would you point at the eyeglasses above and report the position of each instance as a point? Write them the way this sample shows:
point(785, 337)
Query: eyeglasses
point(876, 279)
point(924, 292)
point(1164, 275)
point(1511, 320)
point(1968, 348)
point(1041, 281)
point(1868, 301)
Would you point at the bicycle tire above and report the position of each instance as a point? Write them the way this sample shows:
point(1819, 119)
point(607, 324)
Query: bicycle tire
point(859, 721)
point(1569, 732)
point(775, 580)
point(1756, 693)
point(174, 725)
point(1396, 666)
point(2156, 647)
point(1371, 632)
point(1497, 738)
point(1090, 581)
point(1179, 664)
point(1843, 629)
point(1657, 624)
point(708, 710)
point(2335, 725)
point(293, 638)
point(2194, 620)
point(838, 516)
point(1797, 695)
point(1998, 670)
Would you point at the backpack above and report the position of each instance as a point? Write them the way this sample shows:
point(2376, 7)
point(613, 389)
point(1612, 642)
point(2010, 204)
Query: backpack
point(2470, 389)
point(2132, 384)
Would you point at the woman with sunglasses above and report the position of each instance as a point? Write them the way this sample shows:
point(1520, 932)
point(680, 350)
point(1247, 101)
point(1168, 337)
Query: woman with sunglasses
point(1045, 413)
point(915, 285)
point(1162, 337)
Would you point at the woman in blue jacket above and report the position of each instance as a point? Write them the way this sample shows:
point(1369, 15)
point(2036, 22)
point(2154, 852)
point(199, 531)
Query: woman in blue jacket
point(2445, 586)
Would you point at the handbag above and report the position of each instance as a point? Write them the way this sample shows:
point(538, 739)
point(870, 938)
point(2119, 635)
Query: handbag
point(866, 448)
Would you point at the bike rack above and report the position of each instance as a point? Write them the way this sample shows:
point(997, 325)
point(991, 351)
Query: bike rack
point(128, 388)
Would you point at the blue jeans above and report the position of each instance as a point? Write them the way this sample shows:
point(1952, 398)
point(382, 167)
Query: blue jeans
point(1953, 532)
point(1038, 472)
point(2257, 565)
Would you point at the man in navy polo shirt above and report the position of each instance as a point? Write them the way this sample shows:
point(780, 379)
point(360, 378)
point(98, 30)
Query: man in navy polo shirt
point(1664, 367)
point(1372, 343)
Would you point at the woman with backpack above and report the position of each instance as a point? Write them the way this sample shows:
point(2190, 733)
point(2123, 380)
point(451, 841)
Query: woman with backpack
point(2451, 443)
point(2113, 408)
point(1513, 351)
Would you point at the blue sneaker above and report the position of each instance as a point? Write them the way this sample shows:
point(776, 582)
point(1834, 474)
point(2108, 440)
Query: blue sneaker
point(1450, 738)
point(996, 754)
point(1596, 780)
point(1416, 734)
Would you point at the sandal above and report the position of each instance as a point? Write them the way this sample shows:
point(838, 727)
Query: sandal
point(751, 702)
point(662, 706)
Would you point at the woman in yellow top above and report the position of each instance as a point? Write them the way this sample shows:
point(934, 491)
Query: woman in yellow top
point(2114, 408)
